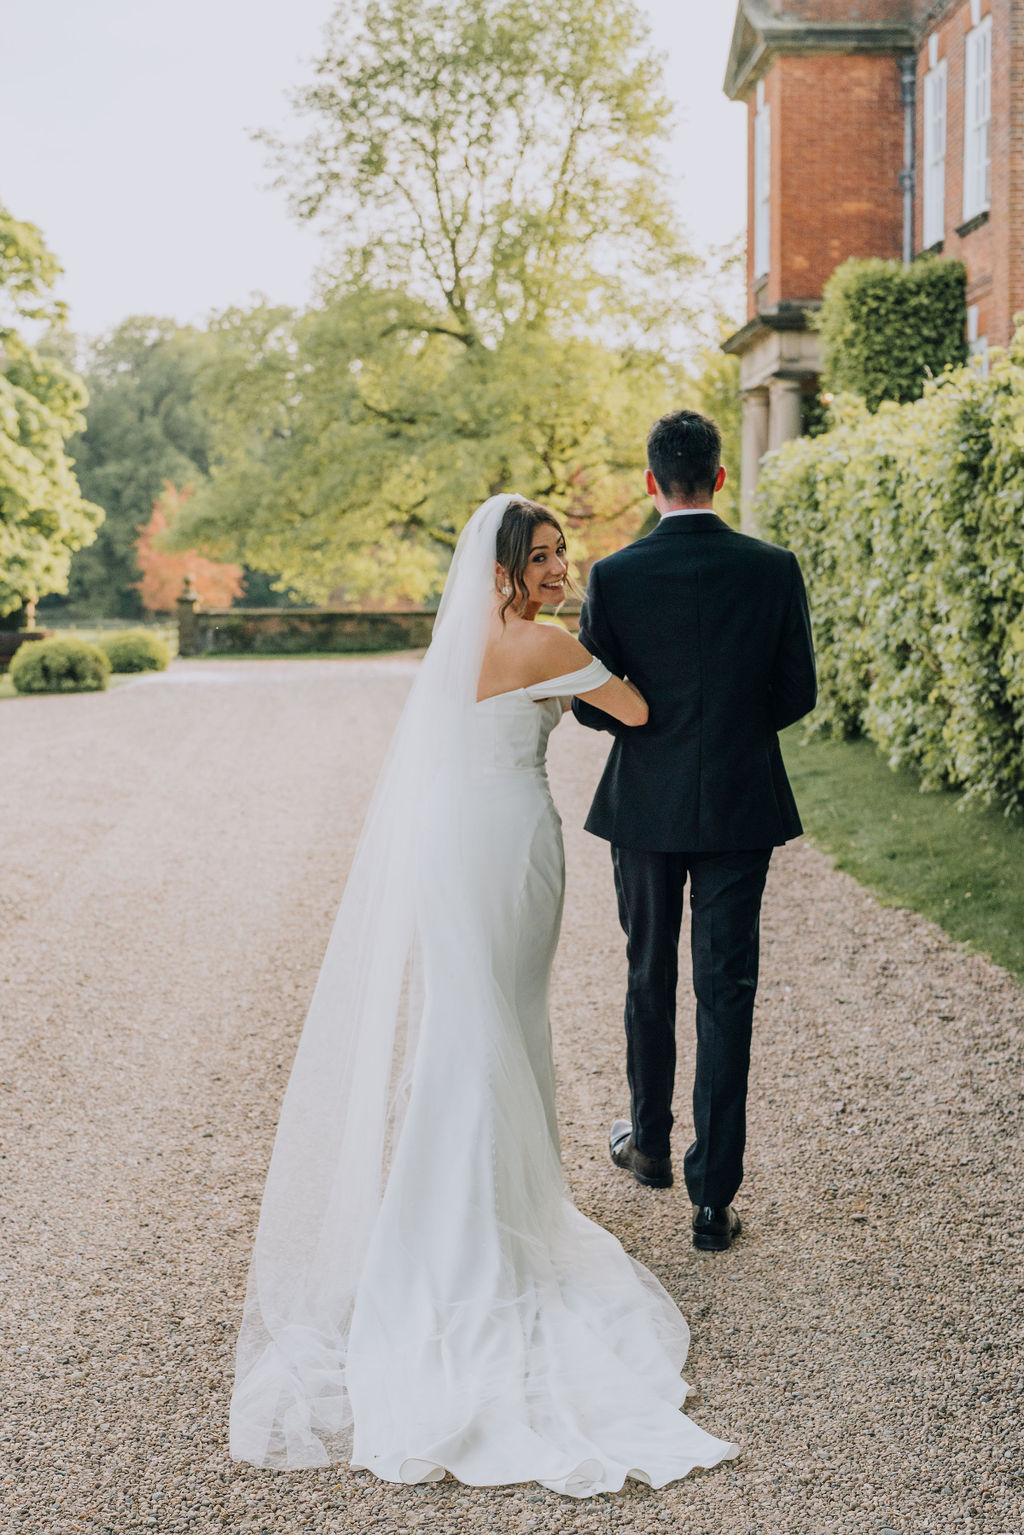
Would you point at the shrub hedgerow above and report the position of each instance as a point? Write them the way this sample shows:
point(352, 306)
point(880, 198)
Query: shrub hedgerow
point(909, 524)
point(886, 328)
point(59, 666)
point(136, 650)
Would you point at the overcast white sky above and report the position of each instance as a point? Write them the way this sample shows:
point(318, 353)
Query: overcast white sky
point(125, 129)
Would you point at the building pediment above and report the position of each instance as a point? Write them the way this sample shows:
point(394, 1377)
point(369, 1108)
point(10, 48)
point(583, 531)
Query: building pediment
point(762, 32)
point(745, 51)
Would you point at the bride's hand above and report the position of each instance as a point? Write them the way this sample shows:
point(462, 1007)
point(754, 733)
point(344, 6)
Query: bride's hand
point(621, 699)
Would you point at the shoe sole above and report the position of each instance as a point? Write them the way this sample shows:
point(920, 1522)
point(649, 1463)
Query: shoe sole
point(711, 1244)
point(706, 1243)
point(648, 1183)
point(653, 1183)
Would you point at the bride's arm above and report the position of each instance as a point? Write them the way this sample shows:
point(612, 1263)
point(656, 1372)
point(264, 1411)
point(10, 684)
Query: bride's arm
point(559, 654)
point(620, 698)
point(596, 638)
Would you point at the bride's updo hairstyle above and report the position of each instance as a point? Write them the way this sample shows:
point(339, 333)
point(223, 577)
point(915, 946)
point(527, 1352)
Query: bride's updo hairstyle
point(514, 542)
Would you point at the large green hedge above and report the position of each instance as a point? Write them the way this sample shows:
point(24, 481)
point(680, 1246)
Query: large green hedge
point(886, 328)
point(909, 525)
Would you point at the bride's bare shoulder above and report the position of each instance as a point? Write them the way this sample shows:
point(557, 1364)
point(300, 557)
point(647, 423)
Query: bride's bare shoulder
point(556, 652)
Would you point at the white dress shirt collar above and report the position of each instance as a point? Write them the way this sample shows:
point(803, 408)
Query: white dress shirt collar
point(687, 511)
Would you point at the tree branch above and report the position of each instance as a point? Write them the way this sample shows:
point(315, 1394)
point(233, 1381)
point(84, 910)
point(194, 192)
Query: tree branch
point(428, 330)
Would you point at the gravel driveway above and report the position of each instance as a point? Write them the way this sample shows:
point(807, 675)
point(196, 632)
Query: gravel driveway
point(174, 851)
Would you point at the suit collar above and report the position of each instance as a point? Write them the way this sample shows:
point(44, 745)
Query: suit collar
point(697, 522)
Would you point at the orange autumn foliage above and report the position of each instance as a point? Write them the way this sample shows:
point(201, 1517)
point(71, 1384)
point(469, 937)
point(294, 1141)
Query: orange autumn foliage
point(164, 571)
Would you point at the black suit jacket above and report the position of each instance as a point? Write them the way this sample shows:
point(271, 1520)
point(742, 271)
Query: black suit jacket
point(713, 628)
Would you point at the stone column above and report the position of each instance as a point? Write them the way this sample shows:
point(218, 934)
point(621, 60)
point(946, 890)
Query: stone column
point(785, 415)
point(188, 607)
point(755, 445)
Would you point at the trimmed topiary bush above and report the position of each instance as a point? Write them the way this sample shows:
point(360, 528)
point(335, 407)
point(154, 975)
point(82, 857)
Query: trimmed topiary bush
point(909, 525)
point(60, 666)
point(886, 328)
point(136, 650)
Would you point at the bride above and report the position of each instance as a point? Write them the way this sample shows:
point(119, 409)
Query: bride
point(423, 1296)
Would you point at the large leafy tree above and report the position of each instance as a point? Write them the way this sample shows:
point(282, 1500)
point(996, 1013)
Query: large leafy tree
point(498, 158)
point(164, 571)
point(353, 441)
point(144, 426)
point(43, 515)
point(509, 272)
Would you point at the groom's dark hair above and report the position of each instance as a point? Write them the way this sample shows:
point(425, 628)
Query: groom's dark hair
point(684, 453)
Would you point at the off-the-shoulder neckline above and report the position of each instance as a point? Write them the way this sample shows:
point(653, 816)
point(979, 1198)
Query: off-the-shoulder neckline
point(559, 677)
point(508, 693)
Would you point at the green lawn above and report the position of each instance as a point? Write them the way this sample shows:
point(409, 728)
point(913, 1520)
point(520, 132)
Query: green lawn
point(167, 631)
point(963, 869)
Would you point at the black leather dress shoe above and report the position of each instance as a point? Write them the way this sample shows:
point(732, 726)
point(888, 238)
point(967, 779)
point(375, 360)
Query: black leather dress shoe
point(715, 1229)
point(653, 1172)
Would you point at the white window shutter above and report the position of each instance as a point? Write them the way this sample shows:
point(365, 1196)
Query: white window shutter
point(985, 113)
point(935, 154)
point(977, 114)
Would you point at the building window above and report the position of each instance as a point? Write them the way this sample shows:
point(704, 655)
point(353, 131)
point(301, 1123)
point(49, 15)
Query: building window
point(977, 112)
point(762, 183)
point(935, 154)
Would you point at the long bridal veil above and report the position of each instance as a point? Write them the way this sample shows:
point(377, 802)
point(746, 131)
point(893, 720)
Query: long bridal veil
point(343, 1105)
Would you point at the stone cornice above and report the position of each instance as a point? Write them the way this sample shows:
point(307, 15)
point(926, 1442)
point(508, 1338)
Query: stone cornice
point(787, 315)
point(761, 34)
point(933, 16)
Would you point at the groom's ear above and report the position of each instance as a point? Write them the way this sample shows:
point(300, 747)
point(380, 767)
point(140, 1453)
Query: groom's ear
point(651, 483)
point(720, 481)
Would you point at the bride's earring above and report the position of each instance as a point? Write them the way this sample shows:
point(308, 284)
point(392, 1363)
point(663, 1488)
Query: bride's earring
point(506, 590)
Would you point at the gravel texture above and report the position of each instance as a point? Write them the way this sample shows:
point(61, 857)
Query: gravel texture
point(174, 852)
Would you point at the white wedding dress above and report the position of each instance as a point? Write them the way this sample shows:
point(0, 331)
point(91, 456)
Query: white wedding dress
point(436, 1303)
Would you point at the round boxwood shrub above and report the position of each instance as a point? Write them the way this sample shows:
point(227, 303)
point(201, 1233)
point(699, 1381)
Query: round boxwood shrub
point(60, 666)
point(136, 650)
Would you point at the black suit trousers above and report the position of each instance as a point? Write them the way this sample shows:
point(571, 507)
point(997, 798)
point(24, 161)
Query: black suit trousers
point(725, 907)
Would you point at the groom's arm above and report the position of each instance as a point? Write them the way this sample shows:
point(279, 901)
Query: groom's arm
point(596, 636)
point(794, 686)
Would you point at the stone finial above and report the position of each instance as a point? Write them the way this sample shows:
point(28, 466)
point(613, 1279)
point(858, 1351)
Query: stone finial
point(188, 608)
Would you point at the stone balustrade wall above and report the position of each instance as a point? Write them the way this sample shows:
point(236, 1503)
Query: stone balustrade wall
point(306, 631)
point(299, 631)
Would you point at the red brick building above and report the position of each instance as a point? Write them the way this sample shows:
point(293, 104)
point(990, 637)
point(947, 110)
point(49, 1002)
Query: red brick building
point(876, 128)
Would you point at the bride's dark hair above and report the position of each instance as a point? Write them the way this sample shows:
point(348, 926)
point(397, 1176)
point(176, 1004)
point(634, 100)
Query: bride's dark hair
point(513, 544)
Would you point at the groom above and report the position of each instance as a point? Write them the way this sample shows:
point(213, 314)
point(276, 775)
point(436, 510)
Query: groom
point(713, 628)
